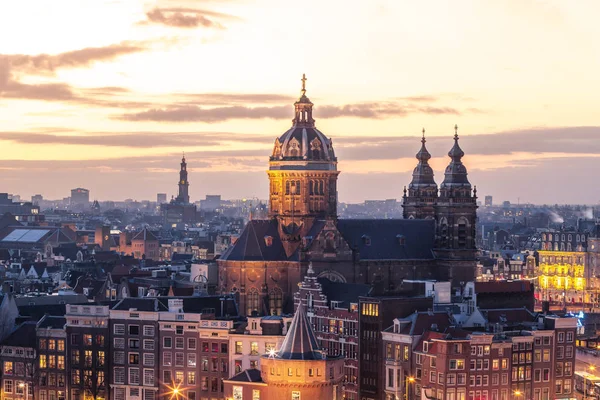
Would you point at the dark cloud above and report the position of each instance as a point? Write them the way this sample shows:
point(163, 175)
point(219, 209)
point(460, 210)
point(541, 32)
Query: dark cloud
point(45, 63)
point(570, 140)
point(136, 139)
point(186, 17)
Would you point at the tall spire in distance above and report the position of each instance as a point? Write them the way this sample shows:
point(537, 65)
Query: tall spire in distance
point(183, 196)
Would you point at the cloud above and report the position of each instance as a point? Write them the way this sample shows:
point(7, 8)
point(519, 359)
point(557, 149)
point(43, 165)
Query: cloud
point(53, 136)
point(218, 114)
point(188, 18)
point(13, 66)
point(47, 63)
point(192, 113)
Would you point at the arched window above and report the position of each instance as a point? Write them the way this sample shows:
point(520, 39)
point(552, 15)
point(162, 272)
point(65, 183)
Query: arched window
point(569, 248)
point(253, 302)
point(556, 246)
point(275, 301)
point(321, 191)
point(544, 237)
point(443, 232)
point(562, 237)
point(287, 187)
point(294, 148)
point(297, 187)
point(310, 187)
point(462, 233)
point(562, 247)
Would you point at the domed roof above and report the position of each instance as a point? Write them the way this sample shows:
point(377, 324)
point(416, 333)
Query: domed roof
point(303, 141)
point(423, 173)
point(456, 172)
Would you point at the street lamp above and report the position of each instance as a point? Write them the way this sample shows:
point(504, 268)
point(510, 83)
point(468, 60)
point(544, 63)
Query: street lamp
point(518, 393)
point(409, 379)
point(592, 368)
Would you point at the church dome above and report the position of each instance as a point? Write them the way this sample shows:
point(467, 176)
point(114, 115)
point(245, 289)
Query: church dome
point(455, 175)
point(303, 141)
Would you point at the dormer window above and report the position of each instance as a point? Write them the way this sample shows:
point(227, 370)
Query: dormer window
point(366, 240)
point(401, 240)
point(268, 241)
point(425, 347)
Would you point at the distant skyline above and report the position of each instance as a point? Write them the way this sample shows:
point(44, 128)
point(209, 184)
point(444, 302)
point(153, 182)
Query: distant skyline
point(106, 94)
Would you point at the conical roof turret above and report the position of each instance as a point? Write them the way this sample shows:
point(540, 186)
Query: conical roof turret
point(300, 343)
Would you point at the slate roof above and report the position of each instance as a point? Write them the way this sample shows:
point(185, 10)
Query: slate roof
point(141, 304)
point(300, 342)
point(22, 336)
point(503, 287)
point(197, 304)
point(52, 322)
point(249, 375)
point(251, 245)
point(508, 315)
point(423, 321)
point(345, 292)
point(384, 236)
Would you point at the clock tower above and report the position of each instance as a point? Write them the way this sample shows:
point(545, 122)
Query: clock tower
point(183, 196)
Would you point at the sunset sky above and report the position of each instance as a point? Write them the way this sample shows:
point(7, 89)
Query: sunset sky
point(107, 94)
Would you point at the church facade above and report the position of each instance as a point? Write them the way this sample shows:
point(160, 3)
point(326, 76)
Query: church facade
point(435, 240)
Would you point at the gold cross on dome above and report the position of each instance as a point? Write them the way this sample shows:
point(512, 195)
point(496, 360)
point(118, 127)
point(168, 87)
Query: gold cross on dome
point(303, 82)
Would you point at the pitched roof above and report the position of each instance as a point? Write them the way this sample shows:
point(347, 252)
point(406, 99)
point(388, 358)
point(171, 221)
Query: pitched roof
point(300, 343)
point(145, 234)
point(503, 287)
point(22, 336)
point(140, 304)
point(249, 375)
point(341, 291)
point(252, 246)
point(384, 238)
point(52, 322)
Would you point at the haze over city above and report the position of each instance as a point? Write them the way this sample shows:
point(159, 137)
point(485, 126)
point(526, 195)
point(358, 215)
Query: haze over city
point(107, 94)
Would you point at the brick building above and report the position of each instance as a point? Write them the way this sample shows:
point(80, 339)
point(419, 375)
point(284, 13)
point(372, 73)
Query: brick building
point(19, 358)
point(134, 348)
point(88, 347)
point(427, 357)
point(52, 355)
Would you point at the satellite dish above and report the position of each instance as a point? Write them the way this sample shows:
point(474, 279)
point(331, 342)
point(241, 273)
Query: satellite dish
point(200, 285)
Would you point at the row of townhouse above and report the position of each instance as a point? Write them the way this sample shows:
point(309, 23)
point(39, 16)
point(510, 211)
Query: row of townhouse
point(427, 357)
point(140, 349)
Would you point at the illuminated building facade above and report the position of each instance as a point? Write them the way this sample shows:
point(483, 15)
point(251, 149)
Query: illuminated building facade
point(564, 272)
point(436, 240)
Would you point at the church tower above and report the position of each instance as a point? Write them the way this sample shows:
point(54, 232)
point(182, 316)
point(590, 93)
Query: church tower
point(183, 196)
point(456, 217)
point(302, 175)
point(419, 202)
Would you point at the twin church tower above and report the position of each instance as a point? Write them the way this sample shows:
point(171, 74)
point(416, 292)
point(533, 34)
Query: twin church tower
point(435, 240)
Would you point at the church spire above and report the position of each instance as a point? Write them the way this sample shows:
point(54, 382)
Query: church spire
point(422, 190)
point(183, 196)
